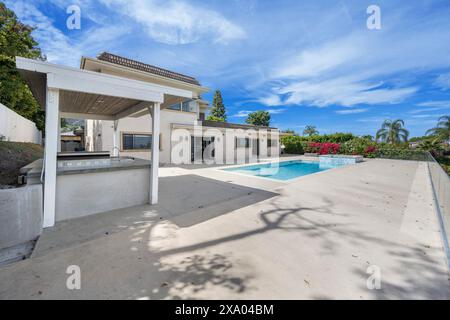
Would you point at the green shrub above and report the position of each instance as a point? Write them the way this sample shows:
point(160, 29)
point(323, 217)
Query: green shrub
point(293, 144)
point(359, 146)
point(389, 151)
point(338, 137)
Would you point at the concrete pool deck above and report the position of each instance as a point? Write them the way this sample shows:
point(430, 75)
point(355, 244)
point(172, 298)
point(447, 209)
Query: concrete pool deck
point(219, 235)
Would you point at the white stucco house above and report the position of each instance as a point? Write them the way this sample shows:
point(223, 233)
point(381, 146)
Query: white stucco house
point(131, 136)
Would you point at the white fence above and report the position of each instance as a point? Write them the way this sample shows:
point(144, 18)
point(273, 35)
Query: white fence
point(14, 127)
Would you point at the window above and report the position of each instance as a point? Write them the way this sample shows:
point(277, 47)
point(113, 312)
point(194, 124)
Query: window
point(175, 106)
point(131, 141)
point(271, 143)
point(242, 142)
point(186, 106)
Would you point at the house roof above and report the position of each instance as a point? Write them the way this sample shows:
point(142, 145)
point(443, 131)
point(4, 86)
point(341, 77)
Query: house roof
point(112, 58)
point(218, 124)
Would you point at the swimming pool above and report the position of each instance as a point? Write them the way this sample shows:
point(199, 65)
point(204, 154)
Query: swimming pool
point(285, 170)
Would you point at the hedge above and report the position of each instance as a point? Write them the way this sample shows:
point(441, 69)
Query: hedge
point(355, 146)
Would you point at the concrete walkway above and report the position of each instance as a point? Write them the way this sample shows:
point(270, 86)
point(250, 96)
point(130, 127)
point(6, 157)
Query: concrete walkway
point(219, 235)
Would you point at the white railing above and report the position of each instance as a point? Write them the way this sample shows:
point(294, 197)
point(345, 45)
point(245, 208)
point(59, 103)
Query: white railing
point(440, 182)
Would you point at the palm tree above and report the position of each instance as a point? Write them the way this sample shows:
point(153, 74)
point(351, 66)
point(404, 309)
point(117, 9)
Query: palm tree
point(442, 130)
point(393, 131)
point(431, 144)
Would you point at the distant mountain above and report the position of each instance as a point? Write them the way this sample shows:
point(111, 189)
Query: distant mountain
point(75, 122)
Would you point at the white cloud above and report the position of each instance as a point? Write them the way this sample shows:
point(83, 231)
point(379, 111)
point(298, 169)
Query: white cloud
point(271, 100)
point(443, 81)
point(420, 116)
point(352, 111)
point(59, 47)
point(315, 61)
point(430, 106)
point(242, 114)
point(363, 67)
point(375, 119)
point(341, 91)
point(245, 113)
point(438, 103)
point(275, 111)
point(177, 22)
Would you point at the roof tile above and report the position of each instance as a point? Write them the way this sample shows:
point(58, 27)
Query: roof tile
point(112, 58)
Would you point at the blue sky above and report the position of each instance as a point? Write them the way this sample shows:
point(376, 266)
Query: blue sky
point(306, 62)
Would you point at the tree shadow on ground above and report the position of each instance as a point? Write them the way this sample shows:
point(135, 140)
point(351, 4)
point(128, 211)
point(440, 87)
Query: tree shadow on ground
point(415, 275)
point(423, 273)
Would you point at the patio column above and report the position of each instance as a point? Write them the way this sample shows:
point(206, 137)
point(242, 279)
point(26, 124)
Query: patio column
point(155, 113)
point(59, 133)
point(115, 152)
point(50, 161)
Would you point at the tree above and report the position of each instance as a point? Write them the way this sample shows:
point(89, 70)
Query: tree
point(218, 108)
point(392, 132)
point(368, 137)
point(214, 118)
point(432, 145)
point(259, 118)
point(291, 131)
point(442, 130)
point(310, 131)
point(16, 40)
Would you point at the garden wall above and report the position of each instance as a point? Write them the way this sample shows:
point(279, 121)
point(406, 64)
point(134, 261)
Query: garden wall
point(14, 127)
point(20, 215)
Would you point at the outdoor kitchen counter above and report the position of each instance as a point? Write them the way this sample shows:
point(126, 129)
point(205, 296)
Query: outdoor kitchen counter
point(34, 169)
point(87, 189)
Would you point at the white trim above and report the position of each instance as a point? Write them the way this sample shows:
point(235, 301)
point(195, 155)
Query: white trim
point(59, 132)
point(115, 151)
point(155, 113)
point(51, 147)
point(66, 78)
point(86, 116)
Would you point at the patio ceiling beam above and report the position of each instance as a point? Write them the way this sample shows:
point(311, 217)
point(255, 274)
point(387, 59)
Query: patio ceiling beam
point(89, 84)
point(91, 116)
point(132, 110)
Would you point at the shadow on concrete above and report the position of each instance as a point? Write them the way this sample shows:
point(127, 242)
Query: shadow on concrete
point(190, 276)
point(187, 271)
point(192, 199)
point(423, 279)
point(185, 200)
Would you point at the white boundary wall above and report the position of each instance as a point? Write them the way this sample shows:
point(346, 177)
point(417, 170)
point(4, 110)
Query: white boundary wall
point(16, 128)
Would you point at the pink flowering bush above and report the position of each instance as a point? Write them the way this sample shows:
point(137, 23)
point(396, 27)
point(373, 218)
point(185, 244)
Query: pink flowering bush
point(370, 151)
point(323, 148)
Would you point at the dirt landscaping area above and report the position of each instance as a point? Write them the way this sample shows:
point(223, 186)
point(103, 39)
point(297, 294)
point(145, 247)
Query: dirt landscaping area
point(13, 156)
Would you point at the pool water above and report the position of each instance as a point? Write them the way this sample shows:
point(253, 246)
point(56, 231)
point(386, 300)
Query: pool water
point(286, 170)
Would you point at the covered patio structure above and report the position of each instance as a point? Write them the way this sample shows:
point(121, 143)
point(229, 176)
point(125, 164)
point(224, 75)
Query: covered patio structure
point(73, 93)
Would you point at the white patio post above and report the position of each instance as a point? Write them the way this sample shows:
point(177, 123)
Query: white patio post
point(115, 147)
point(155, 113)
point(59, 133)
point(50, 161)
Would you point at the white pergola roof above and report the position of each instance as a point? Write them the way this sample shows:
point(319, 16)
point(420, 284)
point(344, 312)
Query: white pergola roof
point(75, 93)
point(94, 95)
